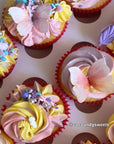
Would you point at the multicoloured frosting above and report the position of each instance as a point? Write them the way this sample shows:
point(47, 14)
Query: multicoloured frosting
point(88, 74)
point(35, 115)
point(8, 53)
point(88, 142)
point(34, 21)
point(107, 37)
point(84, 3)
point(4, 139)
point(110, 129)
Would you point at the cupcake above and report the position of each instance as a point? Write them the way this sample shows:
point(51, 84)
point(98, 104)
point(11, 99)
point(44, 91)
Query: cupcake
point(4, 139)
point(8, 55)
point(106, 37)
point(87, 7)
point(36, 24)
point(110, 129)
point(86, 74)
point(85, 138)
point(88, 142)
point(38, 113)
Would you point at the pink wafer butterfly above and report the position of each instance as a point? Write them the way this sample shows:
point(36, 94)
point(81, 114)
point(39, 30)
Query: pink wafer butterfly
point(26, 19)
point(99, 77)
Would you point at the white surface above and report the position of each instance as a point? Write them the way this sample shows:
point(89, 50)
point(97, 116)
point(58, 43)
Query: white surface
point(45, 68)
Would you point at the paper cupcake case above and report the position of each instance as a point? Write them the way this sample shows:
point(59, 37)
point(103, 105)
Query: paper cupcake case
point(87, 138)
point(35, 46)
point(9, 100)
point(57, 76)
point(10, 70)
point(109, 51)
point(88, 12)
point(92, 142)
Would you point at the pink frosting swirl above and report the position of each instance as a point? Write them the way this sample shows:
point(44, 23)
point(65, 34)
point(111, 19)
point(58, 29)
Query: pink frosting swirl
point(84, 3)
point(10, 124)
point(34, 36)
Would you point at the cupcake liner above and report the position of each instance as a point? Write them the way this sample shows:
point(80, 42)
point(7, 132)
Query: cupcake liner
point(58, 81)
point(6, 74)
point(89, 12)
point(35, 46)
point(92, 142)
point(111, 123)
point(85, 136)
point(10, 100)
point(12, 66)
point(111, 52)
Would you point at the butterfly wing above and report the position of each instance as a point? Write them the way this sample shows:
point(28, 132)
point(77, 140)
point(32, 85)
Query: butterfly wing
point(77, 77)
point(22, 19)
point(41, 25)
point(100, 77)
point(40, 17)
point(80, 84)
point(17, 14)
point(24, 28)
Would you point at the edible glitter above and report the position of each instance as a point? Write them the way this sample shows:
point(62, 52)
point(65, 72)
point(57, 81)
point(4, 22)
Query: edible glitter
point(3, 59)
point(27, 90)
point(25, 95)
point(80, 6)
point(38, 93)
point(2, 40)
point(56, 4)
point(49, 99)
point(61, 120)
point(6, 52)
point(53, 6)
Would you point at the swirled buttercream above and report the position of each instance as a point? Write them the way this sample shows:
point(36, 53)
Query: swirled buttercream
point(8, 53)
point(88, 142)
point(88, 73)
point(110, 129)
point(4, 139)
point(34, 116)
point(35, 22)
point(84, 3)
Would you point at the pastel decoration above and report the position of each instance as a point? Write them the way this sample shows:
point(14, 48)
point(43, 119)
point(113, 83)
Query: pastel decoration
point(32, 122)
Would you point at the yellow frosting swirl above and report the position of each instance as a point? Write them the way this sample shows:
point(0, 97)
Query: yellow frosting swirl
point(89, 142)
point(65, 14)
point(10, 58)
point(108, 129)
point(4, 139)
point(24, 109)
point(111, 46)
